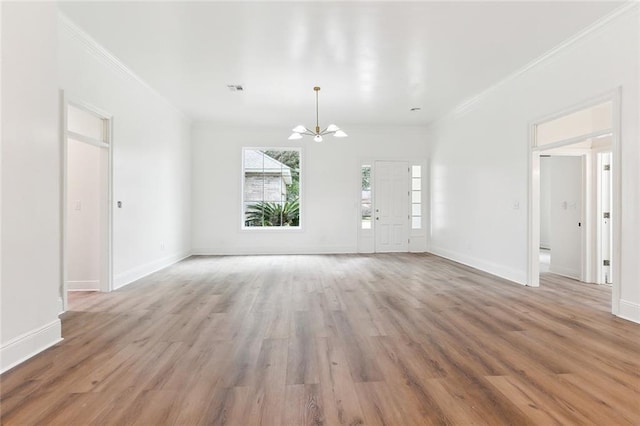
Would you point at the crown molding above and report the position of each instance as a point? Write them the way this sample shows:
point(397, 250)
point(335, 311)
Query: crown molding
point(91, 46)
point(470, 103)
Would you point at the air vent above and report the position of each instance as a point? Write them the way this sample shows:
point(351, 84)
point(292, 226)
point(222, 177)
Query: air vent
point(235, 87)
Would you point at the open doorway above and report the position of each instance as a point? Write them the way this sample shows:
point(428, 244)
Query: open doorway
point(86, 259)
point(574, 193)
point(575, 210)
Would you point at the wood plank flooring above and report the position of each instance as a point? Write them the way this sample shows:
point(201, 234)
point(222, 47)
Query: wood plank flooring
point(406, 339)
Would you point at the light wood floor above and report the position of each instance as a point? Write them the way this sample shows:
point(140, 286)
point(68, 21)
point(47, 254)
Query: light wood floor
point(331, 340)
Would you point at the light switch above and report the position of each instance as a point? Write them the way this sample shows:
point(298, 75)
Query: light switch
point(77, 205)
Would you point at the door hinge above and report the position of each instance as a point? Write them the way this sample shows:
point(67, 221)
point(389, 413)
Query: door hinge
point(607, 167)
point(606, 215)
point(606, 263)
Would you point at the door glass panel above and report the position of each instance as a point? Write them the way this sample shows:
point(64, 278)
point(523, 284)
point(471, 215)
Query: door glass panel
point(416, 222)
point(85, 123)
point(583, 122)
point(365, 197)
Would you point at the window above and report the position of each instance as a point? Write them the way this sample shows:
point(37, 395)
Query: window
point(365, 197)
point(271, 187)
point(416, 197)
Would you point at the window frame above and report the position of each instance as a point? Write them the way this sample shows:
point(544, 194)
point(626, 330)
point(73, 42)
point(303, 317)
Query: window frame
point(243, 226)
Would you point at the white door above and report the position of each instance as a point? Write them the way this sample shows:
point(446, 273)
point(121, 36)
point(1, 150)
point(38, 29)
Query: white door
point(566, 222)
point(391, 201)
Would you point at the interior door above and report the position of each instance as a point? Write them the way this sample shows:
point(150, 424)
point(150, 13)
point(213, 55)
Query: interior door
point(391, 201)
point(567, 223)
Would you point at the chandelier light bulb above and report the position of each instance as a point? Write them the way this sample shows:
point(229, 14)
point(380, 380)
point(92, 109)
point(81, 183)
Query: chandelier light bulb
point(317, 138)
point(295, 136)
point(299, 129)
point(332, 128)
point(340, 134)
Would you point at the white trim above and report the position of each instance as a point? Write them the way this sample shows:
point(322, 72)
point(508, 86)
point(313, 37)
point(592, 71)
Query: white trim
point(616, 202)
point(94, 48)
point(62, 289)
point(86, 285)
point(260, 251)
point(571, 141)
point(469, 103)
point(502, 271)
point(127, 277)
point(86, 139)
point(23, 347)
point(629, 311)
point(566, 272)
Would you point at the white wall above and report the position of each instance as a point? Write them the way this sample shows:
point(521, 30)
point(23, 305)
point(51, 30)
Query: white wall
point(479, 155)
point(84, 183)
point(330, 187)
point(151, 156)
point(30, 182)
point(565, 213)
point(545, 202)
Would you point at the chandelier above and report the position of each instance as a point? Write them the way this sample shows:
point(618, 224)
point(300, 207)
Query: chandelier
point(331, 129)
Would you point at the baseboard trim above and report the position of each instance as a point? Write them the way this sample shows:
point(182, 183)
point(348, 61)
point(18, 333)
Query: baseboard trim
point(272, 251)
point(517, 276)
point(125, 278)
point(565, 272)
point(87, 285)
point(629, 311)
point(27, 345)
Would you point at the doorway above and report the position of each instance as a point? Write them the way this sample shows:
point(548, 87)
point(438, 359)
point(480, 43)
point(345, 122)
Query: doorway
point(86, 252)
point(578, 149)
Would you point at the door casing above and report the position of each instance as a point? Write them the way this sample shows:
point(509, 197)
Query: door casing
point(106, 225)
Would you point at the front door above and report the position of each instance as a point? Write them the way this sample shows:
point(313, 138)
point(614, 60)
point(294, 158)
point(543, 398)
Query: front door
point(391, 212)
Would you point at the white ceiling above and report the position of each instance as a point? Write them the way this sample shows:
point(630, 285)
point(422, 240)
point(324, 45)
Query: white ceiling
point(373, 60)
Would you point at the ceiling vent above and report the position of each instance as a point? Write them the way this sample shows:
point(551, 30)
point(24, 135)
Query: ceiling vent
point(235, 87)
